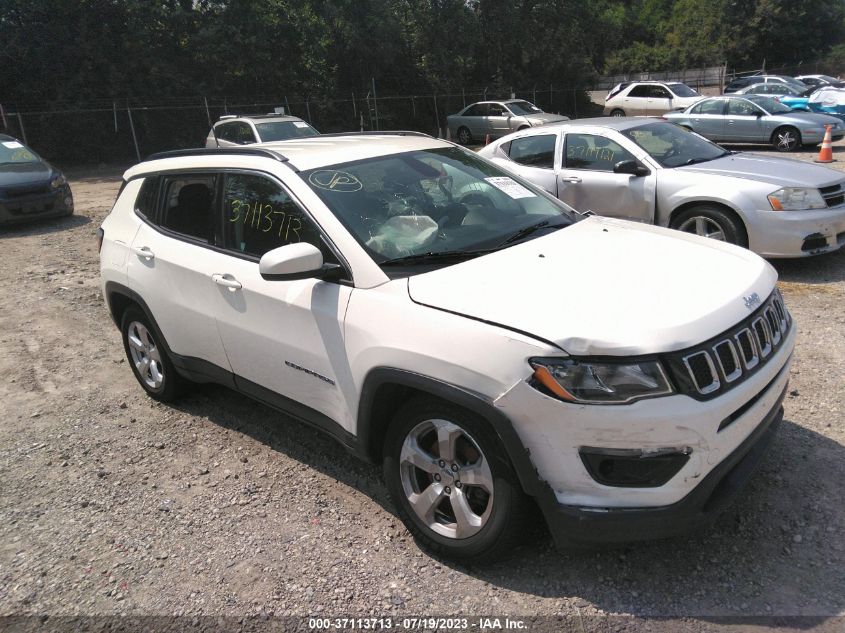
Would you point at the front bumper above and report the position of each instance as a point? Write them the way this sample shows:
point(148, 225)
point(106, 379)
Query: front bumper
point(55, 203)
point(776, 234)
point(573, 525)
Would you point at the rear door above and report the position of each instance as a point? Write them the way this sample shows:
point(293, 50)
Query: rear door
point(635, 103)
point(535, 158)
point(587, 182)
point(169, 265)
point(708, 118)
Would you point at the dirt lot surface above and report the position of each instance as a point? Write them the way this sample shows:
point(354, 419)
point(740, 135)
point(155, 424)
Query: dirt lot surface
point(114, 504)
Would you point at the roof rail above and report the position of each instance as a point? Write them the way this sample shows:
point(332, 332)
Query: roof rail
point(216, 151)
point(378, 133)
point(223, 117)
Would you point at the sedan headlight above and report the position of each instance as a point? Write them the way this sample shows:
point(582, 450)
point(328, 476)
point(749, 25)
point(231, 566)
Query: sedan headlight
point(600, 382)
point(796, 198)
point(58, 181)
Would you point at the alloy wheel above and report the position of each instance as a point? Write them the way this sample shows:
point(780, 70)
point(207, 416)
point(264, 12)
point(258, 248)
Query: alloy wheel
point(706, 227)
point(786, 140)
point(446, 479)
point(145, 355)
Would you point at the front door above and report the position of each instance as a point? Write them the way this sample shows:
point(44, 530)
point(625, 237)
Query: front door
point(587, 181)
point(285, 337)
point(498, 120)
point(659, 100)
point(744, 122)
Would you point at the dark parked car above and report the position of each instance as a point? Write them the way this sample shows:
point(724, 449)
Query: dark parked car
point(30, 187)
point(743, 82)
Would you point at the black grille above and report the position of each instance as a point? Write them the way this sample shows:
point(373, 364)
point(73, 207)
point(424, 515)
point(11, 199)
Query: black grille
point(709, 369)
point(833, 195)
point(28, 190)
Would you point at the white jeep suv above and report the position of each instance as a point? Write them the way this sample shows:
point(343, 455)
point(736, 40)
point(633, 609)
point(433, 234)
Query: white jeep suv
point(458, 325)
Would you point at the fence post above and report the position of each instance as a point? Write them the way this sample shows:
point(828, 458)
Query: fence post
point(375, 102)
point(551, 96)
point(354, 107)
point(23, 131)
point(207, 112)
point(3, 116)
point(414, 107)
point(574, 104)
point(463, 96)
point(287, 106)
point(436, 113)
point(308, 108)
point(132, 127)
point(114, 110)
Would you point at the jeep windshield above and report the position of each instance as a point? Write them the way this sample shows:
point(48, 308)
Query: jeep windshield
point(674, 146)
point(283, 130)
point(430, 206)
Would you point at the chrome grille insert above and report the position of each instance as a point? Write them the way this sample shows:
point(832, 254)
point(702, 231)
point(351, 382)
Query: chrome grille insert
point(764, 338)
point(774, 324)
point(703, 372)
point(748, 348)
point(728, 360)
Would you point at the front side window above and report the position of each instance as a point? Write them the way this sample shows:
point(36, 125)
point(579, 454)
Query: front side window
point(672, 145)
point(534, 151)
point(433, 201)
point(596, 153)
point(258, 216)
point(741, 107)
point(659, 92)
point(189, 205)
point(494, 109)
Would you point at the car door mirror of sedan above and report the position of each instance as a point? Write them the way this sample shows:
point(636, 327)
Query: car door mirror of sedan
point(758, 113)
point(295, 261)
point(631, 167)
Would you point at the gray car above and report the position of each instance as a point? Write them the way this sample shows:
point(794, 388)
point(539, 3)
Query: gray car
point(497, 118)
point(651, 171)
point(756, 119)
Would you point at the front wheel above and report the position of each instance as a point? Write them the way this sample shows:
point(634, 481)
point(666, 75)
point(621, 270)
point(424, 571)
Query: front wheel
point(713, 222)
point(786, 139)
point(451, 482)
point(464, 137)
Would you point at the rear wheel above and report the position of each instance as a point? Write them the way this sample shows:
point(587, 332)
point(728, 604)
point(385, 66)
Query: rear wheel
point(464, 137)
point(452, 482)
point(148, 358)
point(617, 112)
point(786, 139)
point(713, 222)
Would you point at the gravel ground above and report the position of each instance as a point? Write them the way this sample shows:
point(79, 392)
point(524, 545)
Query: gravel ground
point(114, 504)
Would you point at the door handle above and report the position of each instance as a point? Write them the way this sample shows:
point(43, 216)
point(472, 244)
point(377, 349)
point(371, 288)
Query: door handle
point(227, 281)
point(730, 122)
point(571, 179)
point(144, 251)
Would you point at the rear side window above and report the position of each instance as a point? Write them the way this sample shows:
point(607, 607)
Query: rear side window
point(189, 206)
point(643, 90)
point(479, 109)
point(145, 203)
point(534, 151)
point(258, 216)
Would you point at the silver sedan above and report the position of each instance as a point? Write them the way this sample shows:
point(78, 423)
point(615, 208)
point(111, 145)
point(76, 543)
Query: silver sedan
point(651, 171)
point(497, 118)
point(756, 119)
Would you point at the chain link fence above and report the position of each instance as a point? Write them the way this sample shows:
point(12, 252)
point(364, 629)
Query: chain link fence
point(125, 131)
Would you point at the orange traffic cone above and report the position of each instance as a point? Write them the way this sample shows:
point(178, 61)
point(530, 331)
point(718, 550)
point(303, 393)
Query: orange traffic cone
point(487, 139)
point(826, 152)
point(448, 133)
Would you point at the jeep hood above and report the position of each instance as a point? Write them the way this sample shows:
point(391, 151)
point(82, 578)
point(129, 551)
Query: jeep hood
point(605, 287)
point(782, 172)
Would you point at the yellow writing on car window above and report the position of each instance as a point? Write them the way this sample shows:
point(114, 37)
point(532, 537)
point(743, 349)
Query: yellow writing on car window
point(264, 218)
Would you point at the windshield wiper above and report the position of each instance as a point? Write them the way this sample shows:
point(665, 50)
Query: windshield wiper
point(528, 230)
point(693, 161)
point(419, 258)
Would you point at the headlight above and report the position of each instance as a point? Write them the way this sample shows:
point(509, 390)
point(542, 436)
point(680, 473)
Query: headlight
point(58, 181)
point(795, 198)
point(600, 382)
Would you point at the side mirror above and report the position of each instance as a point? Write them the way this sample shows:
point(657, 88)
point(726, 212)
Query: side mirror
point(631, 167)
point(295, 261)
point(758, 113)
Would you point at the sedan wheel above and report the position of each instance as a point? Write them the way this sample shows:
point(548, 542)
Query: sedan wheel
point(786, 139)
point(705, 227)
point(464, 137)
point(711, 221)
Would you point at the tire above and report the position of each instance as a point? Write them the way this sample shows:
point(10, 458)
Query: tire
point(713, 222)
point(522, 127)
point(464, 136)
point(617, 112)
point(493, 519)
point(786, 139)
point(148, 357)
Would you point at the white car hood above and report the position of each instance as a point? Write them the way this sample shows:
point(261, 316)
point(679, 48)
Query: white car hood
point(783, 172)
point(605, 287)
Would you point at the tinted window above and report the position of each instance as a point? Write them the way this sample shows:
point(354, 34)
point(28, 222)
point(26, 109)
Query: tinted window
point(643, 90)
point(711, 106)
point(479, 109)
point(659, 92)
point(597, 153)
point(227, 132)
point(741, 107)
point(260, 216)
point(534, 151)
point(147, 199)
point(189, 205)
